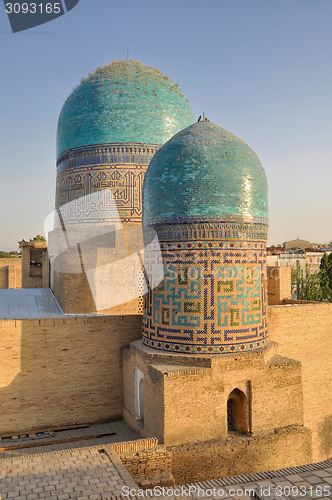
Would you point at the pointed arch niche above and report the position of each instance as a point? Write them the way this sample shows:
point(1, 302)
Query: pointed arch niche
point(237, 420)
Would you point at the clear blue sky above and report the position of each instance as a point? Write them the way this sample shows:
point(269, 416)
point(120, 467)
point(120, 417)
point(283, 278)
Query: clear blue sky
point(261, 69)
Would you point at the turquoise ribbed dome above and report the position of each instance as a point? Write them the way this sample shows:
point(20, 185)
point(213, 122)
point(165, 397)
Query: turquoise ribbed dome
point(124, 102)
point(204, 171)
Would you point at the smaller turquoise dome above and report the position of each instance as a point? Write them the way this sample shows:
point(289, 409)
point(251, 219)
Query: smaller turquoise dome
point(203, 172)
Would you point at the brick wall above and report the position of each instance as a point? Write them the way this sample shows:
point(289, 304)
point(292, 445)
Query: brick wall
point(241, 456)
point(111, 275)
point(10, 273)
point(188, 403)
point(151, 465)
point(279, 284)
point(64, 371)
point(304, 332)
point(58, 372)
point(148, 463)
point(35, 275)
point(73, 293)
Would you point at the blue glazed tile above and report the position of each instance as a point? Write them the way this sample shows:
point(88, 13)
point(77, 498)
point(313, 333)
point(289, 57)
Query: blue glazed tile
point(204, 171)
point(124, 102)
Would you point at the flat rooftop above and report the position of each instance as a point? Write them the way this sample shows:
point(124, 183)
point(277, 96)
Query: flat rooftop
point(32, 303)
point(78, 470)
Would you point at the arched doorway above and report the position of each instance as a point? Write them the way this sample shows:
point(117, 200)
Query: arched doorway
point(237, 412)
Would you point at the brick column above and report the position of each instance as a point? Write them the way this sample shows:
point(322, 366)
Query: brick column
point(45, 270)
point(11, 276)
point(25, 266)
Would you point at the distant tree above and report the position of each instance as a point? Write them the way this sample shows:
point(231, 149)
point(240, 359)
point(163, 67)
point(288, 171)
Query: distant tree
point(7, 255)
point(273, 246)
point(279, 245)
point(313, 286)
point(306, 286)
point(37, 238)
point(325, 273)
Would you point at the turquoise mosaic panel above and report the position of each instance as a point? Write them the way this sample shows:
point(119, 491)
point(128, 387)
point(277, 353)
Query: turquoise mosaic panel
point(211, 300)
point(123, 102)
point(204, 173)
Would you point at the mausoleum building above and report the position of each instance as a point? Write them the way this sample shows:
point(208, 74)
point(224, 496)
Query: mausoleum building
point(205, 367)
point(109, 128)
point(205, 195)
point(225, 383)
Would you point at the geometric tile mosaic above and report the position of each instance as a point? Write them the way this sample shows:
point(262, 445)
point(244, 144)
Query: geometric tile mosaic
point(207, 228)
point(212, 298)
point(90, 170)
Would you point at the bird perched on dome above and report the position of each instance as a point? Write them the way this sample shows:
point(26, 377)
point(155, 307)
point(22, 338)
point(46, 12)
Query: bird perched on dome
point(199, 118)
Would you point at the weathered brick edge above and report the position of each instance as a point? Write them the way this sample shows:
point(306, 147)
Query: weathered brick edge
point(247, 478)
point(258, 476)
point(136, 445)
point(126, 446)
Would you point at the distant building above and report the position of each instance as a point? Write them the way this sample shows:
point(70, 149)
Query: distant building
point(35, 265)
point(10, 273)
point(274, 250)
point(294, 244)
point(304, 257)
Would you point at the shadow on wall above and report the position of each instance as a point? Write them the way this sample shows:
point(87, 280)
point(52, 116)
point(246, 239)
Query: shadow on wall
point(57, 372)
point(325, 435)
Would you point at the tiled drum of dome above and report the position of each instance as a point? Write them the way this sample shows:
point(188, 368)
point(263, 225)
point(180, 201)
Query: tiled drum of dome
point(212, 228)
point(109, 128)
point(120, 168)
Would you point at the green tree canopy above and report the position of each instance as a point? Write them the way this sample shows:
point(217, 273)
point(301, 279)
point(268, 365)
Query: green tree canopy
point(306, 285)
point(314, 286)
point(325, 271)
point(9, 255)
point(37, 238)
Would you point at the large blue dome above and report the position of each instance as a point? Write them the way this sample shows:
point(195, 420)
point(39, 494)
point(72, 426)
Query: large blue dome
point(124, 102)
point(203, 172)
